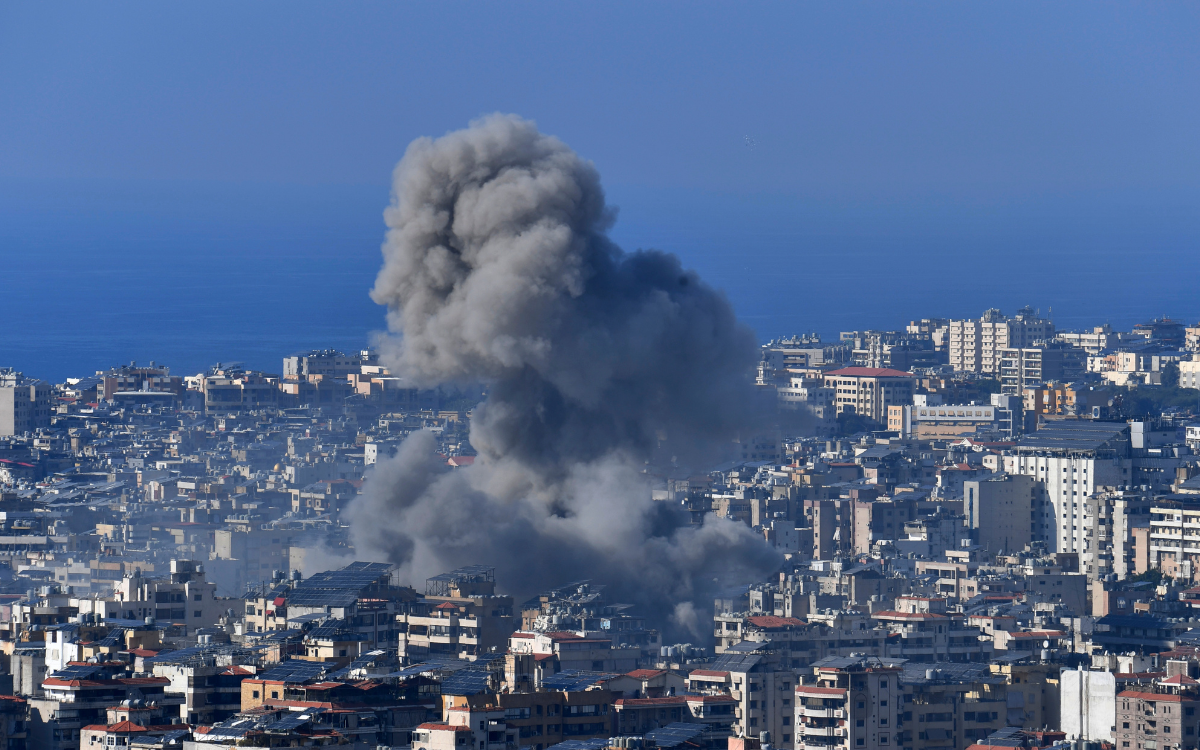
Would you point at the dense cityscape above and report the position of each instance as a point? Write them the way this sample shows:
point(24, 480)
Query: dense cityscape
point(986, 530)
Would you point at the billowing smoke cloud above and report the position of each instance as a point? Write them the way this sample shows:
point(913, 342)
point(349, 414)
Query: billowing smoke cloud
point(497, 269)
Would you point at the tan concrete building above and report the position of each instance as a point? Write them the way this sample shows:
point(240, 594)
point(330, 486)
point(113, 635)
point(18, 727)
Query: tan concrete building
point(974, 344)
point(869, 391)
point(24, 403)
point(460, 615)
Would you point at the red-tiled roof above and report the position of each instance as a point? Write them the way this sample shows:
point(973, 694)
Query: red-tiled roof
point(446, 605)
point(707, 673)
point(869, 372)
point(327, 685)
point(444, 727)
point(1179, 679)
point(645, 674)
point(126, 726)
point(1150, 696)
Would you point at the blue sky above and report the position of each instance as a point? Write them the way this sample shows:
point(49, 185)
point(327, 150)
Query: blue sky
point(831, 165)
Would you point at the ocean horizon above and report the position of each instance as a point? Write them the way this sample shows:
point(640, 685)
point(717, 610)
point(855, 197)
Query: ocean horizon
point(190, 274)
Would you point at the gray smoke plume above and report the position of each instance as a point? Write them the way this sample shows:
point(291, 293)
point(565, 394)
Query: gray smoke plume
point(497, 269)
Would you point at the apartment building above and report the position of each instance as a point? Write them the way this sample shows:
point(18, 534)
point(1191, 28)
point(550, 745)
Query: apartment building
point(460, 614)
point(133, 379)
point(24, 403)
point(762, 684)
point(329, 362)
point(1023, 368)
point(229, 390)
point(852, 704)
point(974, 345)
point(1000, 511)
point(1164, 716)
point(926, 422)
point(923, 631)
point(81, 698)
point(869, 391)
point(1189, 372)
point(519, 720)
point(185, 598)
point(1072, 459)
point(1175, 536)
point(1113, 516)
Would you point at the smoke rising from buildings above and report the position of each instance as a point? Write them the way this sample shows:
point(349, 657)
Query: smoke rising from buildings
point(498, 269)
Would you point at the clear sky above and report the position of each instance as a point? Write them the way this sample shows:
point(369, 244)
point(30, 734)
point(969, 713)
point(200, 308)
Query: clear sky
point(812, 159)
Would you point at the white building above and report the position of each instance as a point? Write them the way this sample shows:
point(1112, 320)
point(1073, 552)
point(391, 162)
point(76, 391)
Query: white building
point(1088, 705)
point(1073, 460)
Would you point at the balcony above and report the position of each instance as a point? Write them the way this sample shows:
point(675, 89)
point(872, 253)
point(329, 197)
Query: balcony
point(823, 731)
point(824, 713)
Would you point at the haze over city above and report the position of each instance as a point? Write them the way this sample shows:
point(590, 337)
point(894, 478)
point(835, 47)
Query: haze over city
point(568, 377)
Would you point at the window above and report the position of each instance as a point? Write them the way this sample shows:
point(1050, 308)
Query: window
point(197, 613)
point(198, 597)
point(1125, 725)
point(256, 695)
point(274, 693)
point(861, 741)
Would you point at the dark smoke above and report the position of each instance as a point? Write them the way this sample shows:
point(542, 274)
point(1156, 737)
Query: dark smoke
point(497, 268)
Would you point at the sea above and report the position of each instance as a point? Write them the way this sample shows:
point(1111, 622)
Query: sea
point(98, 274)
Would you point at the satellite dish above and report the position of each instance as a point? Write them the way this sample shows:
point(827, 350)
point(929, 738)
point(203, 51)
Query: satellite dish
point(1046, 644)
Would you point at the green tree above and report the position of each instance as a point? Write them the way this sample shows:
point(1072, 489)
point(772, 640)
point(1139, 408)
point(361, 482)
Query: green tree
point(1170, 375)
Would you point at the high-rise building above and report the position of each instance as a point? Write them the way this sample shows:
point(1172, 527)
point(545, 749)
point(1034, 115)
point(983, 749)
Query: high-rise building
point(1034, 366)
point(857, 706)
point(24, 403)
point(975, 344)
point(1072, 460)
point(1000, 511)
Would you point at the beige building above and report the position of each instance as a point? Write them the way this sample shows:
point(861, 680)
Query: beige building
point(24, 403)
point(974, 344)
point(942, 420)
point(185, 598)
point(869, 391)
point(1189, 372)
point(460, 616)
point(999, 511)
point(858, 707)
